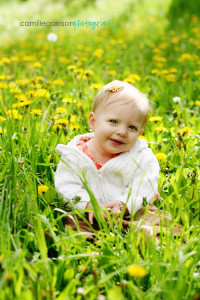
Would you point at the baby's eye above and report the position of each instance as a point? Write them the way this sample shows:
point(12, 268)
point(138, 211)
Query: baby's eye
point(132, 127)
point(113, 121)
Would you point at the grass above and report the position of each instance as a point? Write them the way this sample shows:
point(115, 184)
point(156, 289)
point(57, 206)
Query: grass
point(40, 258)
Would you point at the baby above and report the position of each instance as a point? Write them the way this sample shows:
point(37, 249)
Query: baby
point(119, 168)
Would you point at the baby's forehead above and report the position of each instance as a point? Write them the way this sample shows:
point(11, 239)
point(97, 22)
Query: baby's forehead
point(125, 103)
point(118, 107)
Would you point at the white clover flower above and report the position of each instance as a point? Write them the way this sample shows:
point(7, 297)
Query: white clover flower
point(196, 275)
point(101, 297)
point(52, 37)
point(80, 291)
point(177, 99)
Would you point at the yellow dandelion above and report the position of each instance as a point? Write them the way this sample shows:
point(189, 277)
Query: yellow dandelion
point(161, 128)
point(175, 40)
point(78, 71)
point(170, 77)
point(161, 156)
point(14, 114)
point(14, 59)
point(3, 85)
point(39, 79)
point(159, 59)
point(136, 271)
point(71, 67)
point(63, 59)
point(155, 71)
point(112, 72)
point(42, 93)
point(2, 119)
point(30, 93)
point(164, 72)
point(36, 112)
point(21, 104)
point(185, 130)
point(130, 80)
point(98, 53)
point(6, 60)
point(4, 77)
point(81, 76)
point(73, 118)
point(8, 276)
point(2, 130)
point(185, 56)
point(1, 257)
point(88, 49)
point(155, 119)
point(74, 126)
point(80, 47)
point(197, 72)
point(88, 72)
point(82, 59)
point(67, 100)
point(42, 189)
point(135, 77)
point(61, 110)
point(113, 42)
point(197, 102)
point(15, 90)
point(96, 86)
point(79, 63)
point(37, 85)
point(164, 45)
point(57, 126)
point(28, 58)
point(79, 104)
point(61, 121)
point(159, 65)
point(21, 97)
point(156, 50)
point(58, 82)
point(172, 70)
point(37, 64)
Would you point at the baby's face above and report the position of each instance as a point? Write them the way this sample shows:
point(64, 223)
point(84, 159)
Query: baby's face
point(116, 127)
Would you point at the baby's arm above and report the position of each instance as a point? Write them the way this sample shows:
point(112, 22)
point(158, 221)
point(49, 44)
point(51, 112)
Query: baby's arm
point(69, 185)
point(144, 184)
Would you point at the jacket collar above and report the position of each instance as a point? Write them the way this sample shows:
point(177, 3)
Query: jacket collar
point(120, 163)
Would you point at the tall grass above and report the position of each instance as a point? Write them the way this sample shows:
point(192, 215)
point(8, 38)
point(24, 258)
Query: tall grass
point(40, 257)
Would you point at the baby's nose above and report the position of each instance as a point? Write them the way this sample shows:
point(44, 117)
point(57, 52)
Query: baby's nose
point(122, 131)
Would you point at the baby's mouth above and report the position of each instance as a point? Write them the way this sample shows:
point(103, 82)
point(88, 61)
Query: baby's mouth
point(117, 142)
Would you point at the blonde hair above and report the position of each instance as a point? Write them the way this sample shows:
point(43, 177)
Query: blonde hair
point(119, 90)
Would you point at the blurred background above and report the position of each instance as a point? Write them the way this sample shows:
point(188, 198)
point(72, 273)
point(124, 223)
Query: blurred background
point(127, 12)
point(15, 11)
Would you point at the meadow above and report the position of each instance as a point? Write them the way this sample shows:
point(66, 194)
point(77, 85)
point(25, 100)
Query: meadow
point(47, 83)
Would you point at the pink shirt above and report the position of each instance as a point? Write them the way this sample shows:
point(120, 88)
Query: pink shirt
point(82, 145)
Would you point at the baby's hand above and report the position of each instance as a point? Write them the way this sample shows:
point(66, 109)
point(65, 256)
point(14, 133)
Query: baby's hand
point(91, 213)
point(118, 208)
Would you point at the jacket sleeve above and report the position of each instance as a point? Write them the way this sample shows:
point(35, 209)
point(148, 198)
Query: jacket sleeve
point(144, 183)
point(69, 185)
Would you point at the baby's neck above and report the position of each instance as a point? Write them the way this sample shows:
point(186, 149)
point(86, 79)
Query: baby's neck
point(98, 156)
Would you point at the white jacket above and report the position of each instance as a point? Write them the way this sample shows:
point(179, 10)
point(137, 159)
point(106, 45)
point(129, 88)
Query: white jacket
point(137, 170)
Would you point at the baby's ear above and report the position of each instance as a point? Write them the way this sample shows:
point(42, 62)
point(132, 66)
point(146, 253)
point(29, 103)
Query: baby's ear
point(141, 131)
point(91, 120)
